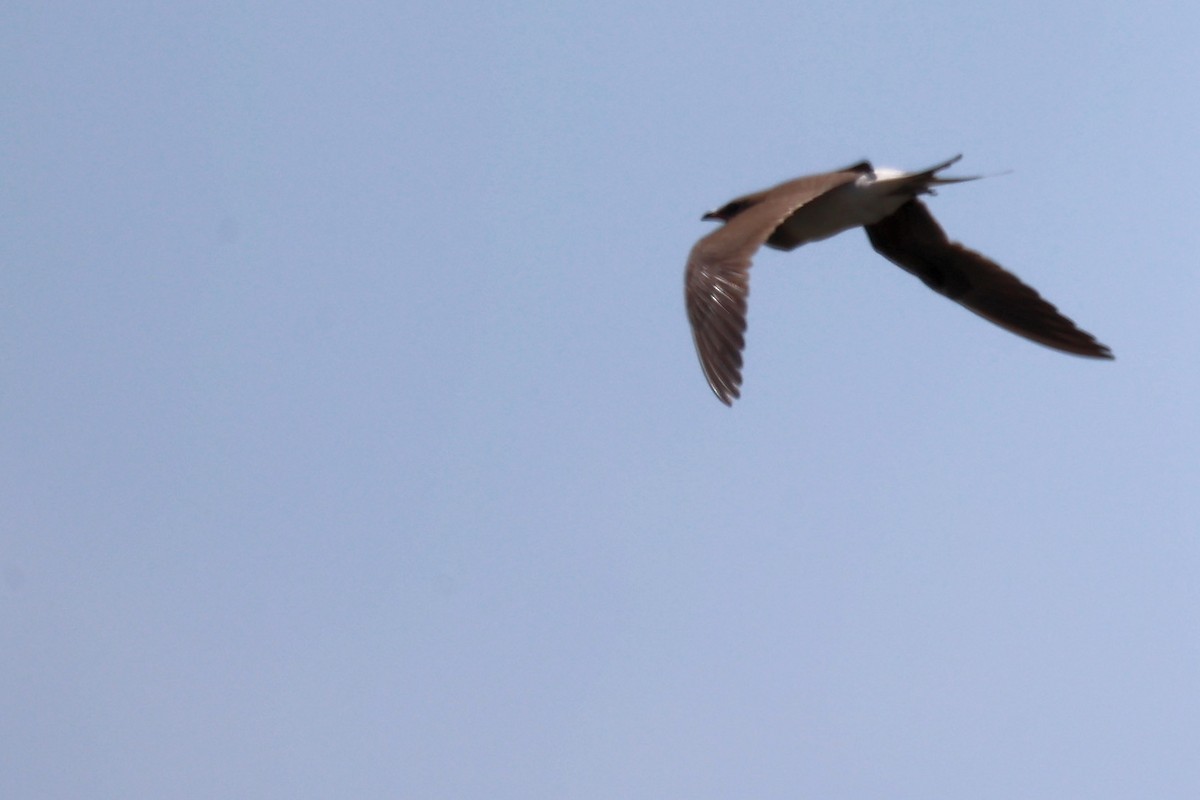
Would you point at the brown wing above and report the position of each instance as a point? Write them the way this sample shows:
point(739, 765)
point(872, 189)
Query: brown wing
point(717, 279)
point(716, 294)
point(913, 240)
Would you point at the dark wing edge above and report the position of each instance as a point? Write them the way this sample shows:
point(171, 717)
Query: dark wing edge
point(913, 240)
point(716, 308)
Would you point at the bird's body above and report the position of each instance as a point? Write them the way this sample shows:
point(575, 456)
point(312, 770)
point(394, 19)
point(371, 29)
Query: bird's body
point(900, 228)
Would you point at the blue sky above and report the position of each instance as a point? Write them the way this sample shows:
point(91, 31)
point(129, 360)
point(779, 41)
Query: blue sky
point(353, 442)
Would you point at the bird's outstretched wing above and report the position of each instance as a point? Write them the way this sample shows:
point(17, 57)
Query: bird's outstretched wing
point(913, 240)
point(717, 279)
point(716, 294)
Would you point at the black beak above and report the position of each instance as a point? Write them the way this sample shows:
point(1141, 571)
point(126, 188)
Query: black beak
point(710, 215)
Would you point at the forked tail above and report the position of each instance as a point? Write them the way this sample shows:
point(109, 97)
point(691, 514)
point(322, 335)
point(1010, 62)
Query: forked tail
point(923, 182)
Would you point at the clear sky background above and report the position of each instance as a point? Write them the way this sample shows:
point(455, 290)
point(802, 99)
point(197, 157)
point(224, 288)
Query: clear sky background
point(354, 445)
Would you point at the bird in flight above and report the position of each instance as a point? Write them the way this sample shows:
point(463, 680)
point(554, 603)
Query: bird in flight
point(899, 227)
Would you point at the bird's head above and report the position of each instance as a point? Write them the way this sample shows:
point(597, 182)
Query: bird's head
point(730, 209)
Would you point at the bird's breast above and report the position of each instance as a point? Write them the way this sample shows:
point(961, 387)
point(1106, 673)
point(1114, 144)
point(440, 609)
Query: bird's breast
point(851, 205)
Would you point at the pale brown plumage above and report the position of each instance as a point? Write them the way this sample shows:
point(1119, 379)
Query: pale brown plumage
point(717, 275)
